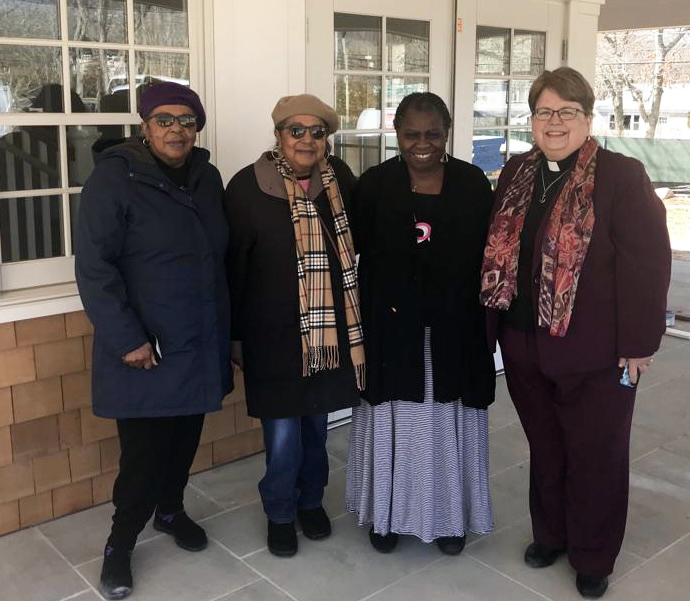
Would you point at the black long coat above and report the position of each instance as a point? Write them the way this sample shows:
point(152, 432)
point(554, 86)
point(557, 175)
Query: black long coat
point(393, 302)
point(149, 262)
point(262, 274)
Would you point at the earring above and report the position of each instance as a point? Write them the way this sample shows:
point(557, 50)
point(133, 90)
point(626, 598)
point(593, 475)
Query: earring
point(399, 158)
point(146, 142)
point(326, 154)
point(444, 158)
point(276, 153)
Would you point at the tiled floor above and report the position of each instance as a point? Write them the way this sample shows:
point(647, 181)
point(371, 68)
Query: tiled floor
point(61, 560)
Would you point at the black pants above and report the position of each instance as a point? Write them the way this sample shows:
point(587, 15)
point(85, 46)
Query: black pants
point(155, 456)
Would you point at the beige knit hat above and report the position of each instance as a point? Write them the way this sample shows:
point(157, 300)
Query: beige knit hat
point(305, 104)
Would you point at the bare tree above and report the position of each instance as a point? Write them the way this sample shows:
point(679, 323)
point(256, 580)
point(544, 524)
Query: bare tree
point(641, 62)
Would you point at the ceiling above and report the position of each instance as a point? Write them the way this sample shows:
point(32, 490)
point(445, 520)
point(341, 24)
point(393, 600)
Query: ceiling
point(638, 14)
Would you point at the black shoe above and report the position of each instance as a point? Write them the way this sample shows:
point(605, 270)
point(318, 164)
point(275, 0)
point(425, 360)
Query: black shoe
point(383, 543)
point(188, 535)
point(541, 556)
point(282, 539)
point(116, 574)
point(315, 523)
point(451, 545)
point(591, 587)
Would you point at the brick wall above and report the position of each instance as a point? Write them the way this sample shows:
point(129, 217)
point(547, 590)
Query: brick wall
point(56, 457)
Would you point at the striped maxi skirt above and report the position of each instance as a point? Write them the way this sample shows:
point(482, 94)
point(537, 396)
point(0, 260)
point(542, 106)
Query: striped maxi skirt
point(420, 468)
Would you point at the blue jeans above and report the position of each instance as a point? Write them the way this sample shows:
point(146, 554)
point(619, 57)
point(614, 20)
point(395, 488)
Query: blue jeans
point(296, 465)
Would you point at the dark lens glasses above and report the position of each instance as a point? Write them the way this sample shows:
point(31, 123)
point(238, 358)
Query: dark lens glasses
point(166, 120)
point(299, 131)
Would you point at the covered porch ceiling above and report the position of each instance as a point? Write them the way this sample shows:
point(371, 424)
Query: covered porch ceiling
point(640, 14)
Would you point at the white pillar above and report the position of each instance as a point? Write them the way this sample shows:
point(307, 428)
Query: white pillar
point(581, 27)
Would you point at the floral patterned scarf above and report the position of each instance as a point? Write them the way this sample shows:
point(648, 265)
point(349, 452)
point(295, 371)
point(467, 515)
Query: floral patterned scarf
point(563, 250)
point(318, 330)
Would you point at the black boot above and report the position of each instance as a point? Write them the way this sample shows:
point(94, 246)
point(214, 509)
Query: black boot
point(541, 556)
point(282, 539)
point(591, 587)
point(383, 543)
point(451, 545)
point(116, 575)
point(315, 523)
point(188, 534)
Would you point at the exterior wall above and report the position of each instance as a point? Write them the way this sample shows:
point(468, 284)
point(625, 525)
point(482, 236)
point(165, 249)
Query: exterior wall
point(56, 457)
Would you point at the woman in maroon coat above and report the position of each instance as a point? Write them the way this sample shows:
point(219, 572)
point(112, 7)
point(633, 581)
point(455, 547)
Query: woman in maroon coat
point(576, 272)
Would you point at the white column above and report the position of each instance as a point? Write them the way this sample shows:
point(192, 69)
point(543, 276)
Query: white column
point(582, 25)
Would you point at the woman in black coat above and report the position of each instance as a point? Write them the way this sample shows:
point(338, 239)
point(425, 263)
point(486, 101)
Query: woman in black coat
point(296, 329)
point(150, 249)
point(418, 458)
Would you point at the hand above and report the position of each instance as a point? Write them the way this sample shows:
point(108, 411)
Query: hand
point(236, 354)
point(636, 366)
point(141, 357)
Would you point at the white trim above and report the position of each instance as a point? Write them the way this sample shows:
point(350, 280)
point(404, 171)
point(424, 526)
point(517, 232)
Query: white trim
point(676, 333)
point(39, 302)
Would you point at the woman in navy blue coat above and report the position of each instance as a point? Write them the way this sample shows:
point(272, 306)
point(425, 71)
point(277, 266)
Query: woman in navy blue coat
point(150, 247)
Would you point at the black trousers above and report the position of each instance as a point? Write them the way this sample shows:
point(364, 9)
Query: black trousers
point(578, 428)
point(156, 454)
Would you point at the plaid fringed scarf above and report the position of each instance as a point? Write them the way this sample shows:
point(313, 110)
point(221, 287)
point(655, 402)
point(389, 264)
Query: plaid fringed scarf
point(564, 247)
point(317, 311)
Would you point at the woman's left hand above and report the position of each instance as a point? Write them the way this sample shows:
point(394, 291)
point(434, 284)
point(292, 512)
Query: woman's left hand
point(636, 366)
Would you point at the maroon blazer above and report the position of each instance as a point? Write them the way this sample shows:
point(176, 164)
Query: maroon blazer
point(620, 303)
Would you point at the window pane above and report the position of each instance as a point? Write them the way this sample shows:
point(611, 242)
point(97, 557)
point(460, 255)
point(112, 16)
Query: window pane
point(489, 151)
point(29, 19)
point(153, 67)
point(396, 89)
point(519, 141)
point(30, 159)
point(407, 45)
point(359, 151)
point(490, 102)
point(392, 147)
point(31, 228)
point(99, 80)
point(528, 52)
point(95, 20)
point(74, 203)
point(493, 51)
point(161, 23)
point(519, 107)
point(358, 101)
point(31, 79)
point(80, 139)
point(357, 42)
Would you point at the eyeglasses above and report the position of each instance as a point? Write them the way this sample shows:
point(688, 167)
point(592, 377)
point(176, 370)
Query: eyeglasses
point(166, 120)
point(567, 113)
point(299, 131)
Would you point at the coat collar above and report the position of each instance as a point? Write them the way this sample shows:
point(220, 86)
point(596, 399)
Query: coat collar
point(271, 183)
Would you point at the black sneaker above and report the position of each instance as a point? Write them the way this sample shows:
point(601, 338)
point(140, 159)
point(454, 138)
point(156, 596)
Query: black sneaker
point(188, 535)
point(591, 587)
point(451, 545)
point(116, 574)
point(282, 539)
point(383, 543)
point(541, 556)
point(315, 523)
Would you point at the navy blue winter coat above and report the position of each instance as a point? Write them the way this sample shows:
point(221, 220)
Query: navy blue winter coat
point(150, 266)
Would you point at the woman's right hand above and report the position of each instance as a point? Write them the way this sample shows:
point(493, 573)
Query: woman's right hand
point(141, 357)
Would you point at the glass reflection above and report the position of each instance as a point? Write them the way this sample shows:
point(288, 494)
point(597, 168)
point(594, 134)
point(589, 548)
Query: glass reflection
point(489, 151)
point(30, 159)
point(31, 228)
point(407, 45)
point(29, 19)
point(529, 49)
point(519, 105)
point(490, 102)
point(359, 151)
point(396, 89)
point(80, 139)
point(97, 20)
point(28, 78)
point(159, 23)
point(357, 42)
point(98, 78)
point(493, 51)
point(153, 67)
point(358, 101)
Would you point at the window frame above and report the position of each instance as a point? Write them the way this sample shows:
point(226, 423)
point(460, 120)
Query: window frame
point(46, 272)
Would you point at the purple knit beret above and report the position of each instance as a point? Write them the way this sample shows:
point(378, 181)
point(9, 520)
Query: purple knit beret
point(169, 92)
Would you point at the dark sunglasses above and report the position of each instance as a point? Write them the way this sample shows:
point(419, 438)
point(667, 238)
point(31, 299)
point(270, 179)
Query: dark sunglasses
point(299, 131)
point(166, 120)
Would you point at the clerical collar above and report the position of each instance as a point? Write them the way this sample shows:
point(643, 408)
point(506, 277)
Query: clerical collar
point(563, 164)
